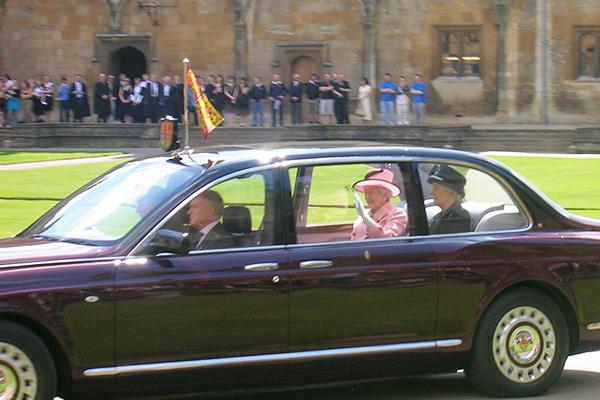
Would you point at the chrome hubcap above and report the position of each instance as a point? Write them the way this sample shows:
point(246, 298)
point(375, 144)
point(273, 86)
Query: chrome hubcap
point(18, 378)
point(524, 344)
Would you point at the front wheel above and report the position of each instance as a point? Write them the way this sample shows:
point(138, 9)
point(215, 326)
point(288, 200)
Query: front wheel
point(27, 370)
point(520, 347)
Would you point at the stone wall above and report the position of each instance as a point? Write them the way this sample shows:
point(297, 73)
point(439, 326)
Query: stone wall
point(260, 37)
point(574, 99)
point(554, 139)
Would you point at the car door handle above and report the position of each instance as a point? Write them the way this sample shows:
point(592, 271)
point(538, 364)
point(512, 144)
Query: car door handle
point(314, 264)
point(261, 267)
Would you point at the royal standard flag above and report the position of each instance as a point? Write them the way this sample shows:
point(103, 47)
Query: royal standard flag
point(208, 116)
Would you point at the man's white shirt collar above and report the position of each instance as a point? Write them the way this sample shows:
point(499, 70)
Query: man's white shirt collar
point(204, 231)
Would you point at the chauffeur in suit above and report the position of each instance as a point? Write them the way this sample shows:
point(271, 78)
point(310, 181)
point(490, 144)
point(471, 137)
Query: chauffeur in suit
point(207, 232)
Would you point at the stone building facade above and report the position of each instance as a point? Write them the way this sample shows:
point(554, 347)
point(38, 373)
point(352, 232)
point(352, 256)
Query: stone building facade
point(507, 60)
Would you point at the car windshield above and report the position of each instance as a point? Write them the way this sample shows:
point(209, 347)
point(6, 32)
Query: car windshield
point(108, 210)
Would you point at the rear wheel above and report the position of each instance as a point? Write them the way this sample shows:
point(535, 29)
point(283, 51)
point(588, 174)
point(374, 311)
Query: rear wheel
point(27, 370)
point(520, 347)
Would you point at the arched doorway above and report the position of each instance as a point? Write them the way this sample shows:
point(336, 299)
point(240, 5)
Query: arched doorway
point(304, 65)
point(128, 60)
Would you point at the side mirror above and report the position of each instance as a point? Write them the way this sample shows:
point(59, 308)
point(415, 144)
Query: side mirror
point(170, 242)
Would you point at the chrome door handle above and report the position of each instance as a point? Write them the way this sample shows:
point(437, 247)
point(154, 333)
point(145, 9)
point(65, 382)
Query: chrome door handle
point(314, 264)
point(261, 267)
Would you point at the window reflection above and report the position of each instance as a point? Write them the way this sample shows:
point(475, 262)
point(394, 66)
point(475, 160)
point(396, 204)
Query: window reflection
point(471, 54)
point(460, 52)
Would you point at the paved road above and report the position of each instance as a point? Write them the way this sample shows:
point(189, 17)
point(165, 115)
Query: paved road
point(580, 381)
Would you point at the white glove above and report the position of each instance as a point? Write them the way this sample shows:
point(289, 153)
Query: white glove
point(360, 209)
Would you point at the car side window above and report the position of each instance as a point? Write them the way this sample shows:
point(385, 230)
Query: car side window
point(459, 199)
point(326, 208)
point(233, 214)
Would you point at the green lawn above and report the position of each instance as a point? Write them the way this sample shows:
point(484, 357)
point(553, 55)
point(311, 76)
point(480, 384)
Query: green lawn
point(26, 194)
point(17, 215)
point(16, 157)
point(571, 182)
point(50, 182)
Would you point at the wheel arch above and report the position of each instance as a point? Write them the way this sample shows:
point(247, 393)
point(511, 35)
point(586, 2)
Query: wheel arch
point(554, 293)
point(56, 350)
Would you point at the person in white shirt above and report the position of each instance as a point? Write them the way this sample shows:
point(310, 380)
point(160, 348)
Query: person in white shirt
point(137, 101)
point(402, 101)
point(364, 101)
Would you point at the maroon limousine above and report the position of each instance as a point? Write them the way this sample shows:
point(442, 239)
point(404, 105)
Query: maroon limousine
point(248, 269)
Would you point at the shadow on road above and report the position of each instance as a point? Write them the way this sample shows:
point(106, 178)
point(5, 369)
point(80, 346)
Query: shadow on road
point(580, 385)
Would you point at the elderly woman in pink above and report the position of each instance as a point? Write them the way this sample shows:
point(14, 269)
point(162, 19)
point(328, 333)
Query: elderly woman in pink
point(383, 219)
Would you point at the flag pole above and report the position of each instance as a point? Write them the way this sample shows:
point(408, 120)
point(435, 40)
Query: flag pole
point(186, 116)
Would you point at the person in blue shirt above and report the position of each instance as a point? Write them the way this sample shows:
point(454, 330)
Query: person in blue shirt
point(387, 99)
point(419, 97)
point(64, 92)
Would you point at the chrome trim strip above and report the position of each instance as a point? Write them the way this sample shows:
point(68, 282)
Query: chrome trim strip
point(594, 326)
point(261, 267)
point(270, 358)
point(237, 249)
point(315, 264)
point(444, 344)
point(48, 263)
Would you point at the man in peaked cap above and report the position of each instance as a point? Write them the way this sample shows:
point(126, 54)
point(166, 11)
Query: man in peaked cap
point(447, 191)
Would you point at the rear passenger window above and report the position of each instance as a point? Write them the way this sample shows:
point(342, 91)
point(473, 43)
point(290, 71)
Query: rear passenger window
point(460, 199)
point(326, 206)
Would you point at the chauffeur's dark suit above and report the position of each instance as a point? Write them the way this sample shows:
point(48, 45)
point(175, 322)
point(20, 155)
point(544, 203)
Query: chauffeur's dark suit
point(216, 238)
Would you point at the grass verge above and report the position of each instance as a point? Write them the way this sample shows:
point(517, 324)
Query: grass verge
point(18, 157)
point(571, 182)
point(50, 183)
point(26, 194)
point(18, 214)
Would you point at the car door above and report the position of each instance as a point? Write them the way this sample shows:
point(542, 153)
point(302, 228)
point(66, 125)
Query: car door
point(371, 300)
point(472, 261)
point(208, 317)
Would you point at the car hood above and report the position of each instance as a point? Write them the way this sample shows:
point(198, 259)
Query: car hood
point(26, 250)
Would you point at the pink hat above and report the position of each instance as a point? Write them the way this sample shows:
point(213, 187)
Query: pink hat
point(383, 178)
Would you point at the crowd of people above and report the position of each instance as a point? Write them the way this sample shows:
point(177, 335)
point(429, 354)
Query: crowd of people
point(147, 99)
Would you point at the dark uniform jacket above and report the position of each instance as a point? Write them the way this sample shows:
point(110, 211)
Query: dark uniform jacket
point(296, 91)
point(456, 219)
point(177, 100)
point(217, 238)
point(277, 90)
point(101, 106)
point(79, 105)
point(312, 90)
point(258, 92)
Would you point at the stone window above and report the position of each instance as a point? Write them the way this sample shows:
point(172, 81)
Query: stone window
point(460, 51)
point(589, 41)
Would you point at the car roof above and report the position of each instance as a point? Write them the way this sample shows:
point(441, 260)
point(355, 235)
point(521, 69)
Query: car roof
point(249, 157)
